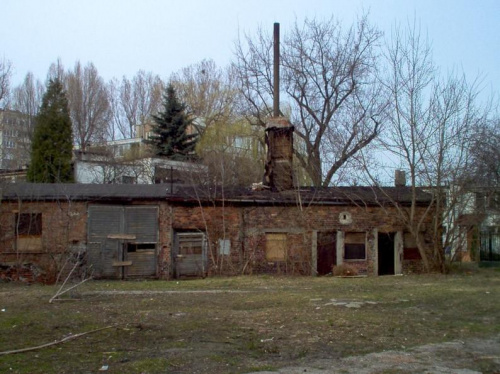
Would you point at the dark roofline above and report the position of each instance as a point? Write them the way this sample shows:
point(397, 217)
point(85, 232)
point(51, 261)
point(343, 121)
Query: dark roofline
point(82, 192)
point(355, 195)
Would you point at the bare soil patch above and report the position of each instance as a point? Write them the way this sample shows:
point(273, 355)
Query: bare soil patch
point(456, 357)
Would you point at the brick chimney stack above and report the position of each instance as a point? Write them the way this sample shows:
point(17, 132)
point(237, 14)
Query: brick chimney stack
point(399, 178)
point(279, 163)
point(279, 136)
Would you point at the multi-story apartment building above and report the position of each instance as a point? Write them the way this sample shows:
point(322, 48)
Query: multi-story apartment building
point(15, 140)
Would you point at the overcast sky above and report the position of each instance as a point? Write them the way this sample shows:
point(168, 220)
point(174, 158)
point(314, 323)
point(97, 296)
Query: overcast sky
point(162, 36)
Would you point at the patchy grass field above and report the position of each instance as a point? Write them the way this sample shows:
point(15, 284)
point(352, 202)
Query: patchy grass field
point(242, 324)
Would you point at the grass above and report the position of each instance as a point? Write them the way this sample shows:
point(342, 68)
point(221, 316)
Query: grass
point(240, 324)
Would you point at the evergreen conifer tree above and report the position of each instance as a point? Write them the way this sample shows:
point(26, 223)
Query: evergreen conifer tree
point(170, 138)
point(52, 145)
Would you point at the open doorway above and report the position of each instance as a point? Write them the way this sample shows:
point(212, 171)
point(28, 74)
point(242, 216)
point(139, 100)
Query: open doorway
point(327, 251)
point(386, 253)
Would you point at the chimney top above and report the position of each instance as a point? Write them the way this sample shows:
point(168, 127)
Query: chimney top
point(399, 178)
point(278, 123)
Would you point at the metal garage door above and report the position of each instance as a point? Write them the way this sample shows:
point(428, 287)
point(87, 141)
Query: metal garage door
point(190, 254)
point(122, 240)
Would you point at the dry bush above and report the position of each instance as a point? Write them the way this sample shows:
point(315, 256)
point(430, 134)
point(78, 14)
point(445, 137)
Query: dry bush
point(344, 270)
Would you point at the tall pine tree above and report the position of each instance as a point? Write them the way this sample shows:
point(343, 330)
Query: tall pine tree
point(170, 134)
point(52, 145)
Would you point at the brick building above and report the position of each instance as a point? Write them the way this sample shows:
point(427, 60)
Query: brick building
point(127, 231)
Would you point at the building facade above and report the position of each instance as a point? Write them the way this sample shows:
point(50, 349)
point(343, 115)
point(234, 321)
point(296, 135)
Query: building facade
point(15, 140)
point(472, 223)
point(133, 231)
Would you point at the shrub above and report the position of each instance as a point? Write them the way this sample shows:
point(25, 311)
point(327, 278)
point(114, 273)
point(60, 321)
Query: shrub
point(344, 270)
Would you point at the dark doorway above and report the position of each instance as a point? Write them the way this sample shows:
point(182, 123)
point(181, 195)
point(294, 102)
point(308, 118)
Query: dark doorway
point(327, 251)
point(386, 253)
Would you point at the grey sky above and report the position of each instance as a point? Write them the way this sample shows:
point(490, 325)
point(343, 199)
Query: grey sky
point(121, 37)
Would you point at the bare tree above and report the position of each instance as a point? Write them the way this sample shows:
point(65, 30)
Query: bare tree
point(56, 71)
point(208, 91)
point(118, 121)
point(27, 98)
point(5, 74)
point(134, 101)
point(89, 104)
point(329, 77)
point(429, 130)
point(485, 154)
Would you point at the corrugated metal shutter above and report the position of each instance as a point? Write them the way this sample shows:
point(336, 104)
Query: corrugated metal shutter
point(143, 263)
point(143, 223)
point(104, 221)
point(94, 262)
point(108, 248)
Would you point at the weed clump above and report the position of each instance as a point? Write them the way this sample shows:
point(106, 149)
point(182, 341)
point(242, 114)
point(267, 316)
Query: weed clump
point(344, 270)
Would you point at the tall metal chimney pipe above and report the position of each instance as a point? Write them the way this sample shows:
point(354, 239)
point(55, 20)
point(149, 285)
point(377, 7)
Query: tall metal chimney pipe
point(276, 101)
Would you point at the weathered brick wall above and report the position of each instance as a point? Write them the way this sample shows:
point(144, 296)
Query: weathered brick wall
point(63, 232)
point(217, 223)
point(413, 267)
point(164, 241)
point(246, 228)
point(65, 229)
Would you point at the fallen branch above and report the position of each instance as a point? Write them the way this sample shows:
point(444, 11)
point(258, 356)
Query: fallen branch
point(60, 290)
point(69, 275)
point(59, 293)
point(71, 337)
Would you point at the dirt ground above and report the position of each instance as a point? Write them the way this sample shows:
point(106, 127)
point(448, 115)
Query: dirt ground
point(261, 324)
point(444, 358)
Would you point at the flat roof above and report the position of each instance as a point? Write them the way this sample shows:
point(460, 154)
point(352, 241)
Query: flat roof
point(353, 195)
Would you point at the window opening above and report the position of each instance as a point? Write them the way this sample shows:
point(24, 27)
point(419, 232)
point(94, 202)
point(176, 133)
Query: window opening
point(354, 246)
point(29, 224)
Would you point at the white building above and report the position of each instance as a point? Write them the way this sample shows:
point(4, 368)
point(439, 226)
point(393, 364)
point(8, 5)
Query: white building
point(129, 161)
point(472, 223)
point(147, 170)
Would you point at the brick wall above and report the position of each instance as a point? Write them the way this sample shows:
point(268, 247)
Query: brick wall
point(65, 230)
point(246, 228)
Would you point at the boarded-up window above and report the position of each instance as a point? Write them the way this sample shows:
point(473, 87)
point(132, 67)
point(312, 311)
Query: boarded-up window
point(410, 251)
point(354, 246)
point(29, 224)
point(224, 246)
point(29, 232)
point(275, 247)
